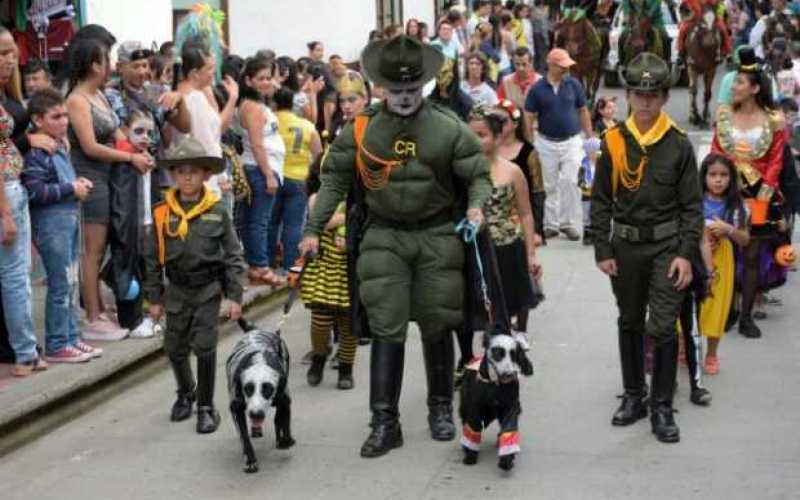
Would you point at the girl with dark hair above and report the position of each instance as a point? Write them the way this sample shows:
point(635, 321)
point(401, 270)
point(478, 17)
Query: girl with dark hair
point(263, 157)
point(604, 114)
point(412, 29)
point(304, 87)
point(475, 85)
point(726, 226)
point(94, 128)
point(510, 222)
point(752, 133)
point(194, 79)
point(316, 52)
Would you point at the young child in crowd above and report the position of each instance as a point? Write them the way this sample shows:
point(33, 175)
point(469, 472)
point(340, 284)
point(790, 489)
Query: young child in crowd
point(54, 194)
point(726, 226)
point(36, 76)
point(131, 222)
point(325, 290)
point(585, 179)
point(195, 245)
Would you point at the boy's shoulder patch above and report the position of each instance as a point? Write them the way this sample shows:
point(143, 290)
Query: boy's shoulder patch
point(211, 217)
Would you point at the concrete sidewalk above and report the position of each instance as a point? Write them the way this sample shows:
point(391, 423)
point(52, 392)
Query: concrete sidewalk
point(22, 397)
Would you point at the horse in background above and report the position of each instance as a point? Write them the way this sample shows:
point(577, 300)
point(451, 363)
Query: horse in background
point(703, 45)
point(585, 46)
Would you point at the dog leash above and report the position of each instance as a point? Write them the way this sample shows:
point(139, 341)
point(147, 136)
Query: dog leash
point(468, 231)
point(296, 273)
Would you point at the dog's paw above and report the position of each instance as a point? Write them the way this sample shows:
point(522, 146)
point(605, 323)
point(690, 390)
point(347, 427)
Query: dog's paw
point(470, 457)
point(285, 443)
point(506, 462)
point(251, 467)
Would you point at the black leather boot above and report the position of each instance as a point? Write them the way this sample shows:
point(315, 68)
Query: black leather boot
point(748, 327)
point(345, 381)
point(665, 367)
point(182, 409)
point(316, 370)
point(631, 354)
point(385, 382)
point(439, 363)
point(207, 417)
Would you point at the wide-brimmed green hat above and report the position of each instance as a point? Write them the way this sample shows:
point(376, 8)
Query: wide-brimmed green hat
point(647, 72)
point(191, 152)
point(401, 62)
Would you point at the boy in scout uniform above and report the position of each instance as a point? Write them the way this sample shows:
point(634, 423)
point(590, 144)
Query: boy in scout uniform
point(647, 221)
point(410, 156)
point(195, 245)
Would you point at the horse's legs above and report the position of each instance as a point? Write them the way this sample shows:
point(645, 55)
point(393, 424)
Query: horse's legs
point(709, 84)
point(694, 117)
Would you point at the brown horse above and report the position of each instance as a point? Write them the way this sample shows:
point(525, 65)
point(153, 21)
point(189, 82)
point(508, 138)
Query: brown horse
point(585, 47)
point(703, 44)
point(640, 36)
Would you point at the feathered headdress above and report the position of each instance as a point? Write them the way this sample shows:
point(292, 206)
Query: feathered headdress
point(203, 24)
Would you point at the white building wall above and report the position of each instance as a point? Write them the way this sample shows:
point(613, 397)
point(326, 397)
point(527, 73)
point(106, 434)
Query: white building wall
point(147, 21)
point(285, 26)
point(421, 10)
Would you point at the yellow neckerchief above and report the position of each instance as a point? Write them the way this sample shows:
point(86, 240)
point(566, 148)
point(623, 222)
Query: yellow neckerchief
point(656, 132)
point(208, 200)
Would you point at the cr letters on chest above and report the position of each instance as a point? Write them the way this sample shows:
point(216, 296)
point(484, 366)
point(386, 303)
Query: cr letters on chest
point(405, 148)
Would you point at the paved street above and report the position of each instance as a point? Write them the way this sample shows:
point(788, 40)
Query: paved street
point(745, 446)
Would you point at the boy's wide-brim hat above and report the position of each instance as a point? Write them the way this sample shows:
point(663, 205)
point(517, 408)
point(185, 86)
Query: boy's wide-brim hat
point(191, 152)
point(401, 62)
point(647, 72)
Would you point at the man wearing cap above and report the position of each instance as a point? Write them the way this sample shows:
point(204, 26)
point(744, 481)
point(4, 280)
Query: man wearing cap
point(647, 222)
point(558, 104)
point(133, 94)
point(412, 162)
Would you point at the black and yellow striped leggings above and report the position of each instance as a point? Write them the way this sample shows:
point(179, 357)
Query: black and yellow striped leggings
point(322, 323)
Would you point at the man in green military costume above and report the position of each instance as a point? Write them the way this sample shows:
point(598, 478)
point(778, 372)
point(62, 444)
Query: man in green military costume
point(412, 159)
point(649, 11)
point(647, 219)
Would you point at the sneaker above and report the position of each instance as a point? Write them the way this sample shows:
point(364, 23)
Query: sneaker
point(69, 354)
point(103, 331)
point(92, 351)
point(145, 330)
point(571, 233)
point(550, 234)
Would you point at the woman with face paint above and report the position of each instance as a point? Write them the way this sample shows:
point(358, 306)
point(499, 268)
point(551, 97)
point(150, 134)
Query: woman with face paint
point(352, 97)
point(94, 127)
point(263, 157)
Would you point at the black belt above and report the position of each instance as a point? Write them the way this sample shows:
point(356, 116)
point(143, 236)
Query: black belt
point(645, 234)
point(195, 279)
point(421, 225)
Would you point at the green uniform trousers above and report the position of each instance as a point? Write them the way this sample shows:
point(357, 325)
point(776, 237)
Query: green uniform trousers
point(411, 276)
point(647, 299)
point(191, 328)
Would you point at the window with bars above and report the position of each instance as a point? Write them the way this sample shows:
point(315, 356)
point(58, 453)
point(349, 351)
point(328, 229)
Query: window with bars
point(389, 12)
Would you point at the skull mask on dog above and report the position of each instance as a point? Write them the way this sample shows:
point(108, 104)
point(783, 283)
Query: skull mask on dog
point(259, 383)
point(507, 358)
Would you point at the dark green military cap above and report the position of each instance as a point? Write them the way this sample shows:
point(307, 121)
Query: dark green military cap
point(647, 72)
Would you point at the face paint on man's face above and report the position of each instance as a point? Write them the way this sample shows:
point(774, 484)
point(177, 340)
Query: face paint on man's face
point(404, 102)
point(140, 134)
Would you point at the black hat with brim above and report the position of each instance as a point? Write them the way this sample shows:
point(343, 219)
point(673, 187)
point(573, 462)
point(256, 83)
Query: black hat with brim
point(648, 73)
point(401, 62)
point(191, 152)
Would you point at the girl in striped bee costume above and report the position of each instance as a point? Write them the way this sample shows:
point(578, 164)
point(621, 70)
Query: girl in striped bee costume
point(326, 293)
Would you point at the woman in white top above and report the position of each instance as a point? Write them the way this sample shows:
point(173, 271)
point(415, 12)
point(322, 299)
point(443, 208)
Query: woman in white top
point(208, 120)
point(263, 157)
point(475, 86)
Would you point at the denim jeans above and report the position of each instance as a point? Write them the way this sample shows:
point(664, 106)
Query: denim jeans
point(15, 264)
point(255, 219)
point(288, 216)
point(55, 234)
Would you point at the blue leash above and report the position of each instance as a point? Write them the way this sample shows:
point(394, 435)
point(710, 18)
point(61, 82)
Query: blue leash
point(468, 231)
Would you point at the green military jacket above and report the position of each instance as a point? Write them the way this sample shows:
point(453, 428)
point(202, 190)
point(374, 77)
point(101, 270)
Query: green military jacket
point(669, 191)
point(211, 248)
point(635, 9)
point(436, 147)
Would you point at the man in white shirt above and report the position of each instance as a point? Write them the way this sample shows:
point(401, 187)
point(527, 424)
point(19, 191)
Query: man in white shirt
point(445, 40)
point(482, 9)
